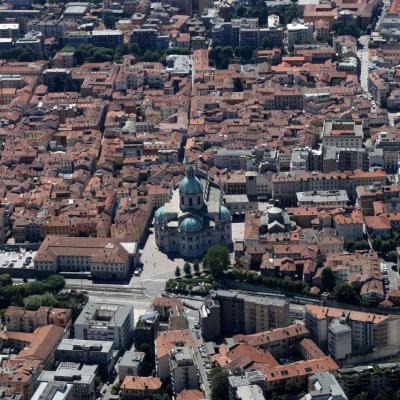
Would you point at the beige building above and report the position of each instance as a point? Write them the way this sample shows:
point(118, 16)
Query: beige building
point(101, 257)
point(286, 185)
point(241, 313)
point(342, 134)
point(369, 332)
point(21, 320)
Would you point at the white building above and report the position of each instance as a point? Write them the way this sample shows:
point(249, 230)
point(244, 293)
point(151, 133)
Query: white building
point(298, 33)
point(339, 339)
point(111, 322)
point(323, 199)
point(184, 372)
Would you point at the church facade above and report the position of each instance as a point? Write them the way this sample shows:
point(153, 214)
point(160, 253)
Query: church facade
point(194, 219)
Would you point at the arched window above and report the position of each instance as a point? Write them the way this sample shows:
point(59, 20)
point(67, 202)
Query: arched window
point(190, 202)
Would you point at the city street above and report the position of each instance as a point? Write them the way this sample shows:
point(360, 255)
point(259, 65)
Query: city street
point(363, 55)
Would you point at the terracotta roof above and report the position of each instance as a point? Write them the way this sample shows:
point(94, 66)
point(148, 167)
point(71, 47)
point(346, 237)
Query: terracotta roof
point(145, 383)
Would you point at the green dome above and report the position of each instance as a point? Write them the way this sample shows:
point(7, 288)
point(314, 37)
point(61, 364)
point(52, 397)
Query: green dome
point(224, 214)
point(190, 185)
point(190, 224)
point(159, 215)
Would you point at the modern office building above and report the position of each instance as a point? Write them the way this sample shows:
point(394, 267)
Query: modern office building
point(108, 322)
point(146, 329)
point(91, 352)
point(82, 379)
point(108, 38)
point(52, 391)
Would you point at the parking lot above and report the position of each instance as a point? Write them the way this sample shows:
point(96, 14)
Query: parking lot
point(17, 259)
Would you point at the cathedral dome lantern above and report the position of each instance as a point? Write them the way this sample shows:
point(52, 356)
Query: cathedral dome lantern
point(191, 191)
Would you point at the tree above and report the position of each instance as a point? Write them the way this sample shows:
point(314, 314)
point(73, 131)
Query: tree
point(79, 57)
point(386, 247)
point(37, 300)
point(361, 396)
point(187, 269)
point(346, 293)
point(115, 389)
point(361, 245)
point(219, 384)
point(237, 85)
point(55, 283)
point(267, 43)
point(327, 280)
point(377, 244)
point(344, 27)
point(5, 280)
point(196, 267)
point(177, 272)
point(246, 53)
point(109, 21)
point(216, 260)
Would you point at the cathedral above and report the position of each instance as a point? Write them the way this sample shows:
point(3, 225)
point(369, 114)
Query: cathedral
point(194, 219)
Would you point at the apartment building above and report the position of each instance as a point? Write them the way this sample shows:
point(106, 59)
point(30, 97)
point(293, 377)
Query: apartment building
point(131, 364)
point(342, 134)
point(369, 332)
point(369, 378)
point(210, 319)
point(279, 342)
point(103, 258)
point(91, 352)
point(109, 322)
point(298, 33)
point(140, 387)
point(339, 339)
point(164, 344)
point(247, 314)
point(368, 195)
point(21, 320)
point(183, 367)
point(286, 185)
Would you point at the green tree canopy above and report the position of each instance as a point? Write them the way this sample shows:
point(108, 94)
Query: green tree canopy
point(219, 384)
point(346, 293)
point(187, 268)
point(216, 260)
point(327, 280)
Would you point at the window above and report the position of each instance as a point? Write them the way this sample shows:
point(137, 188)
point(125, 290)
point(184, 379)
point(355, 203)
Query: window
point(190, 202)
